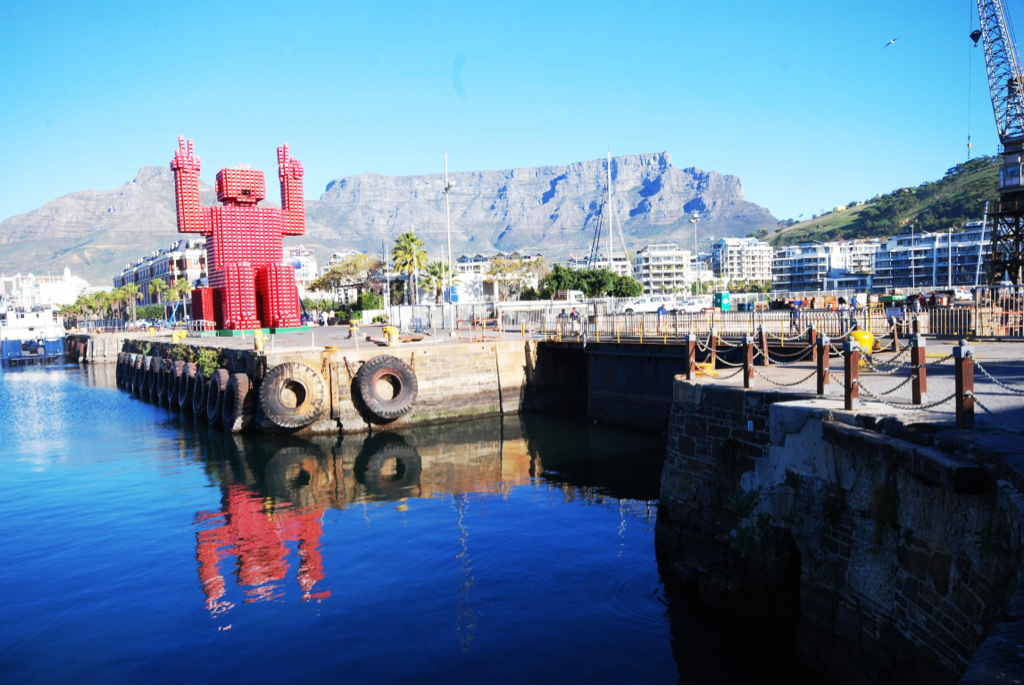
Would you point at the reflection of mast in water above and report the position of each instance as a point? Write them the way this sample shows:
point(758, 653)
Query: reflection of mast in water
point(465, 619)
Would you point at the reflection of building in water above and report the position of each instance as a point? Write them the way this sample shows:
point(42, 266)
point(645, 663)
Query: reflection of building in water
point(256, 533)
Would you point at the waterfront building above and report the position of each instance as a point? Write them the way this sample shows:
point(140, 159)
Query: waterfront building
point(304, 262)
point(183, 259)
point(939, 260)
point(741, 259)
point(808, 266)
point(30, 290)
point(664, 268)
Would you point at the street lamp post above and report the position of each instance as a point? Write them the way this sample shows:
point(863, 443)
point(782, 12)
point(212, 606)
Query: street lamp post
point(694, 218)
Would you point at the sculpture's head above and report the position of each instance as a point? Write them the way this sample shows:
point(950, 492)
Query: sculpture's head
point(241, 185)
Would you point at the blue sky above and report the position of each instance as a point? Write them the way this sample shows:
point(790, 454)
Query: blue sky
point(799, 99)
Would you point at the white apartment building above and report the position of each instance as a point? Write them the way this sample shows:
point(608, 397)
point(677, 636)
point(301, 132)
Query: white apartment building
point(183, 259)
point(30, 290)
point(741, 259)
point(917, 260)
point(807, 266)
point(304, 262)
point(664, 268)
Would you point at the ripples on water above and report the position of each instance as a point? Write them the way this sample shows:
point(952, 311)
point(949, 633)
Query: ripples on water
point(141, 546)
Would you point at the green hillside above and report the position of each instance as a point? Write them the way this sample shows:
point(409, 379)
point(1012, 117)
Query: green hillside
point(952, 201)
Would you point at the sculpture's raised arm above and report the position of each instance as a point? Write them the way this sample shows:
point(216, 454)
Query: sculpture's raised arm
point(185, 166)
point(290, 171)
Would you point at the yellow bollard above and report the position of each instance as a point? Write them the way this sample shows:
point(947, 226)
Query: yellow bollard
point(152, 330)
point(641, 333)
point(257, 340)
point(522, 329)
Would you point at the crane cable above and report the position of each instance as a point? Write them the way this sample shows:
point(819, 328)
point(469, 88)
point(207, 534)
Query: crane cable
point(970, 72)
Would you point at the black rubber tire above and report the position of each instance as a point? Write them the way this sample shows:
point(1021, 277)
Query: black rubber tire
point(161, 383)
point(215, 396)
point(173, 379)
point(199, 397)
point(237, 403)
point(152, 377)
point(383, 480)
point(138, 373)
point(147, 377)
point(403, 380)
point(186, 386)
point(292, 395)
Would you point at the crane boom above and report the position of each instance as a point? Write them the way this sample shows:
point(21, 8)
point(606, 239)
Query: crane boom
point(1007, 92)
point(1003, 66)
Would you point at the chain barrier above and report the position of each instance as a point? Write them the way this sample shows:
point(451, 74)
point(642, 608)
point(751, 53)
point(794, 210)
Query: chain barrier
point(730, 364)
point(794, 354)
point(899, 385)
point(804, 355)
point(1002, 421)
point(780, 383)
point(996, 381)
point(904, 406)
point(715, 376)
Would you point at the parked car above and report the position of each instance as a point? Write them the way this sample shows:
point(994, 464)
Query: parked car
point(695, 304)
point(648, 303)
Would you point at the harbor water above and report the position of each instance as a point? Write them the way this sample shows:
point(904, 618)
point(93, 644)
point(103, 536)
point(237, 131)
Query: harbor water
point(142, 546)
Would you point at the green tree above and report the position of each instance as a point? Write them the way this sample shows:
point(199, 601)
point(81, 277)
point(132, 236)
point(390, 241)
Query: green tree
point(157, 287)
point(597, 282)
point(354, 271)
point(131, 291)
point(436, 276)
point(560, 279)
point(627, 287)
point(409, 256)
point(512, 274)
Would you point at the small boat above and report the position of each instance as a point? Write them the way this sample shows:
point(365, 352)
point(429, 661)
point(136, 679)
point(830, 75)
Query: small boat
point(32, 336)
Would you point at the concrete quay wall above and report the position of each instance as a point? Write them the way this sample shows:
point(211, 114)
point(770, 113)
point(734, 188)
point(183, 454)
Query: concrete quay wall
point(455, 380)
point(890, 548)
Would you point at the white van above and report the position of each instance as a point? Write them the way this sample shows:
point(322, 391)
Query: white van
point(648, 303)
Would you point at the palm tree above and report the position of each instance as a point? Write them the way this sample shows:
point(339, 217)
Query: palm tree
point(184, 287)
point(436, 276)
point(409, 256)
point(158, 286)
point(131, 292)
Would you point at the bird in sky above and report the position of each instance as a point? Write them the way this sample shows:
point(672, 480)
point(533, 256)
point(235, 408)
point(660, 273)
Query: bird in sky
point(891, 42)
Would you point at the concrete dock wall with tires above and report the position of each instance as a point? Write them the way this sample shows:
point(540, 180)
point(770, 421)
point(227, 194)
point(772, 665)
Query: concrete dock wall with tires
point(330, 391)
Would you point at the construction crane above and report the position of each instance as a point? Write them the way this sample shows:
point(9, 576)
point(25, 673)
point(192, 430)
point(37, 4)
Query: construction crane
point(1005, 87)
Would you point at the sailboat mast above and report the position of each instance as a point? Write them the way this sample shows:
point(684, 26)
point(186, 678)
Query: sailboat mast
point(611, 243)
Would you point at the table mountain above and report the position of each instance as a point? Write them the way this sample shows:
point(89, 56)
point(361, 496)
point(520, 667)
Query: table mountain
point(553, 210)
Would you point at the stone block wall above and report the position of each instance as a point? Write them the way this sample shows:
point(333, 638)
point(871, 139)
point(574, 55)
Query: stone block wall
point(888, 559)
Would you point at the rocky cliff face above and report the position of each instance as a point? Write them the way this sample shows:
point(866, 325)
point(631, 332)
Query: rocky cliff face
point(553, 210)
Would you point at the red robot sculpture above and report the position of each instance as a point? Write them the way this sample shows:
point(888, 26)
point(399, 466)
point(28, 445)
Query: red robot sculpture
point(250, 286)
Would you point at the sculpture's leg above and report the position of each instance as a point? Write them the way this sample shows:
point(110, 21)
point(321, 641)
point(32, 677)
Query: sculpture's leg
point(279, 298)
point(235, 290)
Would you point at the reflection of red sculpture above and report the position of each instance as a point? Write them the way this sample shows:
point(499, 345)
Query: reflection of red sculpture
point(244, 242)
point(258, 538)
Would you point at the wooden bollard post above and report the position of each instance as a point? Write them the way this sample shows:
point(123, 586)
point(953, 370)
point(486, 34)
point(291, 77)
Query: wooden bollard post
point(964, 357)
point(812, 340)
point(919, 386)
point(748, 361)
point(691, 356)
point(764, 347)
point(822, 351)
point(851, 365)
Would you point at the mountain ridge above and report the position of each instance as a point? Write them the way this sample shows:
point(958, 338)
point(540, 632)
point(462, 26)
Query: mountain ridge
point(551, 209)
